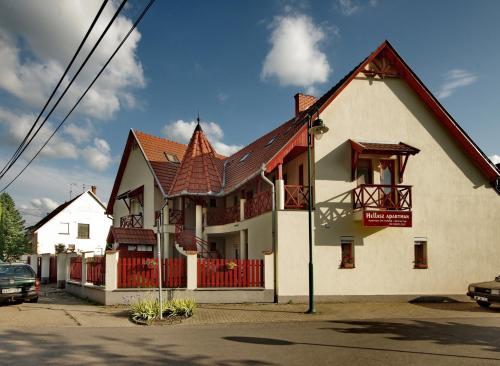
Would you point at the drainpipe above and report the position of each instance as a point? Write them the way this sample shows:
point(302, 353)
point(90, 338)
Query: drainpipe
point(273, 202)
point(159, 237)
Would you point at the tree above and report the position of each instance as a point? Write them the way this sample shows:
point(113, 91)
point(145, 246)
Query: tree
point(13, 241)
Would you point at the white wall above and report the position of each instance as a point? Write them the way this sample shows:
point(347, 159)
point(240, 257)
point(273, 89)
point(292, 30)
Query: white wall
point(84, 210)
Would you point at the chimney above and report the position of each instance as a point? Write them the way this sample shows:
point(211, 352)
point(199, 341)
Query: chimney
point(302, 102)
point(94, 189)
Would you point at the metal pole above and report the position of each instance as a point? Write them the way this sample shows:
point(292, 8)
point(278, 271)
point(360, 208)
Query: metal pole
point(159, 224)
point(311, 309)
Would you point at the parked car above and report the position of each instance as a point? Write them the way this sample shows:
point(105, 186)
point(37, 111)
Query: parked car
point(485, 293)
point(18, 282)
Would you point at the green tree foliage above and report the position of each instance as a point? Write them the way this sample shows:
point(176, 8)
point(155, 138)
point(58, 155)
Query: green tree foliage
point(13, 241)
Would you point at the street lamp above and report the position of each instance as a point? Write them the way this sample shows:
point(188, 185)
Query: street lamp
point(318, 129)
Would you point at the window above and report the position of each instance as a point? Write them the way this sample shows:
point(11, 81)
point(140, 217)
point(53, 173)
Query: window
point(64, 228)
point(244, 157)
point(301, 175)
point(347, 253)
point(364, 172)
point(235, 200)
point(420, 254)
point(213, 202)
point(83, 231)
point(171, 157)
point(271, 141)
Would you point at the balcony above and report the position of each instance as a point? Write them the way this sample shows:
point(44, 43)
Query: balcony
point(176, 217)
point(382, 197)
point(222, 216)
point(296, 197)
point(259, 204)
point(132, 221)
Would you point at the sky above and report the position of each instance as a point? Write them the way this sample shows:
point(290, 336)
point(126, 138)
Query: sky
point(238, 64)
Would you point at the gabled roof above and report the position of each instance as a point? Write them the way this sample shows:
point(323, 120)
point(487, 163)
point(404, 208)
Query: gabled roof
point(60, 208)
point(131, 236)
point(200, 170)
point(153, 149)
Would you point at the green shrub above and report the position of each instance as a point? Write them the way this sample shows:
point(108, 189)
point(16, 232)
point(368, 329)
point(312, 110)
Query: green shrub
point(148, 309)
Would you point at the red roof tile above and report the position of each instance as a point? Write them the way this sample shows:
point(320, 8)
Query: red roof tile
point(200, 170)
point(131, 236)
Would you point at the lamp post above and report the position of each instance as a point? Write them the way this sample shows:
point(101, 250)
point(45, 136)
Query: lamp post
point(316, 128)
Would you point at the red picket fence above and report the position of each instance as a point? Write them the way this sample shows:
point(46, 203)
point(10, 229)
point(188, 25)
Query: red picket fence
point(230, 273)
point(75, 268)
point(137, 272)
point(96, 270)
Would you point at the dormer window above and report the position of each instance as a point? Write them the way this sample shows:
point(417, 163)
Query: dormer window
point(171, 157)
point(271, 141)
point(244, 157)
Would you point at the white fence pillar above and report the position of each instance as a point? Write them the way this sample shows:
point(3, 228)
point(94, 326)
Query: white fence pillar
point(268, 270)
point(112, 270)
point(192, 270)
point(242, 208)
point(85, 255)
point(62, 270)
point(45, 268)
point(199, 221)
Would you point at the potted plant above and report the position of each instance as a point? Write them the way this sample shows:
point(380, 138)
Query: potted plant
point(151, 263)
point(231, 265)
point(347, 262)
point(420, 265)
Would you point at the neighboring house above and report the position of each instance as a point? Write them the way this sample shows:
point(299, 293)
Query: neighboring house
point(79, 224)
point(404, 201)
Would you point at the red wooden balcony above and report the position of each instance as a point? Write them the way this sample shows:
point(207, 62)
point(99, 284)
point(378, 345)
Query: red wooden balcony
point(258, 205)
point(132, 221)
point(176, 217)
point(221, 216)
point(379, 196)
point(296, 197)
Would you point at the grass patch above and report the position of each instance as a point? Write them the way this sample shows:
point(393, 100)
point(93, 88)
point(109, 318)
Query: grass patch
point(146, 311)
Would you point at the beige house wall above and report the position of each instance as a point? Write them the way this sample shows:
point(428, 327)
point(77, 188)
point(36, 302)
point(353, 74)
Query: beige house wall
point(454, 206)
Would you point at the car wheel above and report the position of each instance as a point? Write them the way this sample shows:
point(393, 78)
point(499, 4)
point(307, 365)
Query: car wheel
point(484, 304)
point(35, 299)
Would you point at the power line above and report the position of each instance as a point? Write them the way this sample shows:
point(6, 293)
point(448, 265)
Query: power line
point(137, 21)
point(21, 145)
point(67, 87)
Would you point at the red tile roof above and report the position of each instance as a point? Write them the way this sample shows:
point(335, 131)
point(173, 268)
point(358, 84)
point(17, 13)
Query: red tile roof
point(383, 147)
point(131, 236)
point(200, 170)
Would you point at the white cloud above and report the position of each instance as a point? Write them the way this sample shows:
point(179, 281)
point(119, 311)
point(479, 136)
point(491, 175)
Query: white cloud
point(182, 131)
point(295, 57)
point(18, 125)
point(222, 97)
point(351, 7)
point(495, 159)
point(79, 133)
point(455, 79)
point(98, 156)
point(37, 40)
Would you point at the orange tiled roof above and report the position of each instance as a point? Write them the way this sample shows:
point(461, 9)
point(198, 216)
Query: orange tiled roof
point(131, 236)
point(200, 170)
point(155, 148)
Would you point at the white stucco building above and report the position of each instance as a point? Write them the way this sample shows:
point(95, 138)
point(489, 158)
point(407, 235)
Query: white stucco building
point(404, 202)
point(79, 224)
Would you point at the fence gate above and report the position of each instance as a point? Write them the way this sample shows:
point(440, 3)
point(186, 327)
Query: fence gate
point(53, 269)
point(39, 267)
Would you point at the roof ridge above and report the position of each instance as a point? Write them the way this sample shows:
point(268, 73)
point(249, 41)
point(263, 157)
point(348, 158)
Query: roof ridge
point(159, 137)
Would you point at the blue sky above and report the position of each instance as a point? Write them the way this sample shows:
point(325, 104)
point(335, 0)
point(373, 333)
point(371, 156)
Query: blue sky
point(225, 60)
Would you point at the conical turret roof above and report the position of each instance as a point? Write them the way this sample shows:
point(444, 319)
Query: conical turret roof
point(200, 170)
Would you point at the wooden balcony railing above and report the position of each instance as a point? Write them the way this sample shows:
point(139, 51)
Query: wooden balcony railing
point(132, 221)
point(296, 197)
point(258, 205)
point(221, 216)
point(176, 217)
point(378, 196)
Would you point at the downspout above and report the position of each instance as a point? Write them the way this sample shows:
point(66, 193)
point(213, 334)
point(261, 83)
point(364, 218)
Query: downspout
point(273, 203)
point(159, 238)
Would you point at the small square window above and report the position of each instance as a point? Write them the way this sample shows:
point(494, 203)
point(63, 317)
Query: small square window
point(64, 228)
point(420, 248)
point(83, 231)
point(172, 157)
point(347, 253)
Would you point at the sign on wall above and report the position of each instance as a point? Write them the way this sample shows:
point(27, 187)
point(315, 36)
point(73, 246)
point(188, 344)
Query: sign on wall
point(387, 218)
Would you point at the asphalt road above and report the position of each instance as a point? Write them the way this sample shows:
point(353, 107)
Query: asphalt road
point(471, 341)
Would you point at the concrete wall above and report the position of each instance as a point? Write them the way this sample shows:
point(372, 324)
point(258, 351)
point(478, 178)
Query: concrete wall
point(454, 206)
point(84, 210)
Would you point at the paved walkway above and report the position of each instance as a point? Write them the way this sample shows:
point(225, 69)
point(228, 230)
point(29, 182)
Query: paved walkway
point(57, 308)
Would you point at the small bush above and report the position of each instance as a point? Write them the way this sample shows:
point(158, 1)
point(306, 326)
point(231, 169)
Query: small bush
point(147, 310)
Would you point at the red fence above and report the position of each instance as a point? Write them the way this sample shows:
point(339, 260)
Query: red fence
point(96, 270)
point(258, 205)
point(382, 197)
point(296, 197)
point(75, 268)
point(221, 216)
point(230, 273)
point(134, 272)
